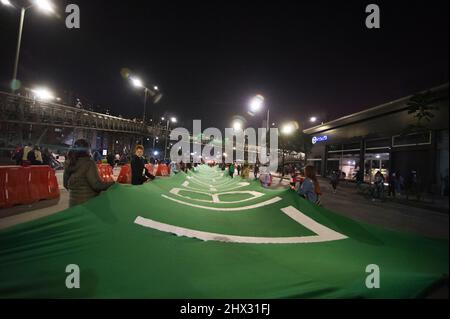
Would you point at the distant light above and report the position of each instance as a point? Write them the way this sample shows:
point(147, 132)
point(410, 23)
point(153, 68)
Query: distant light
point(287, 129)
point(273, 124)
point(44, 5)
point(156, 153)
point(256, 103)
point(6, 3)
point(43, 94)
point(313, 119)
point(137, 82)
point(163, 118)
point(173, 119)
point(155, 88)
point(117, 142)
point(237, 125)
point(377, 156)
point(148, 139)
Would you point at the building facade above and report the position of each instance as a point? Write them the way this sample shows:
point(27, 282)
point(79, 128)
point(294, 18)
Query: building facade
point(382, 139)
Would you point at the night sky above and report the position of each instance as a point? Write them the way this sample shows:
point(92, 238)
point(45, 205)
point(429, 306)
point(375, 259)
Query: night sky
point(209, 57)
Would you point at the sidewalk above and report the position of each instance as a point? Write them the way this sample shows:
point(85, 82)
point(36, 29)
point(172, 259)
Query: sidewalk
point(426, 219)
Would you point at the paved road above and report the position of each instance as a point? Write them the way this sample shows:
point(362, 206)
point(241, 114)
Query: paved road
point(392, 215)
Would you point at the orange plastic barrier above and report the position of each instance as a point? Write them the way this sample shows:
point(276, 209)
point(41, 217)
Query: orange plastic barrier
point(162, 170)
point(150, 168)
point(25, 185)
point(106, 172)
point(125, 175)
point(43, 183)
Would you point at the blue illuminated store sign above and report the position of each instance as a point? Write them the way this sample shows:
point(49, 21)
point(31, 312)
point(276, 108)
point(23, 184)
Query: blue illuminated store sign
point(317, 139)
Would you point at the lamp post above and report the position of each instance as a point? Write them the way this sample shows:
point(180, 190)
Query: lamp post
point(169, 120)
point(43, 5)
point(286, 130)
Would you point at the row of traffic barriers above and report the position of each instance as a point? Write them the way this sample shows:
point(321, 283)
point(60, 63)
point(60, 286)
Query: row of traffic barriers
point(26, 185)
point(159, 170)
point(105, 171)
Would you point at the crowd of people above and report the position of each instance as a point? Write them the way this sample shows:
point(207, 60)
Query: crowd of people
point(32, 155)
point(82, 180)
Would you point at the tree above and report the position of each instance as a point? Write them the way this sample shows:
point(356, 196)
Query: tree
point(422, 107)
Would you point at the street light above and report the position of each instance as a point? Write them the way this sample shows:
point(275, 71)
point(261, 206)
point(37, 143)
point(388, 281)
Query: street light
point(256, 104)
point(237, 125)
point(169, 120)
point(43, 94)
point(313, 119)
point(45, 6)
point(288, 129)
point(138, 83)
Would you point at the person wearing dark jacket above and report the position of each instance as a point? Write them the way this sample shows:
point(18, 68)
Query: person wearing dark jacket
point(81, 176)
point(139, 173)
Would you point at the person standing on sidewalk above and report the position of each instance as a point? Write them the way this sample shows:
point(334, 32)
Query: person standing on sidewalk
point(378, 186)
point(334, 180)
point(231, 170)
point(256, 170)
point(392, 185)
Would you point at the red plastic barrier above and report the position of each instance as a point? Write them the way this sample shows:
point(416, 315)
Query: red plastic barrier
point(43, 183)
point(25, 185)
point(106, 172)
point(150, 168)
point(125, 175)
point(14, 186)
point(162, 170)
point(2, 187)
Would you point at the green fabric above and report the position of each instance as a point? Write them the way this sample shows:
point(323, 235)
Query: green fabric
point(121, 259)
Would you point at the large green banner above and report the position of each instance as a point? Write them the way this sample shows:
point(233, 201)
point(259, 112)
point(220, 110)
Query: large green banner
point(206, 235)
